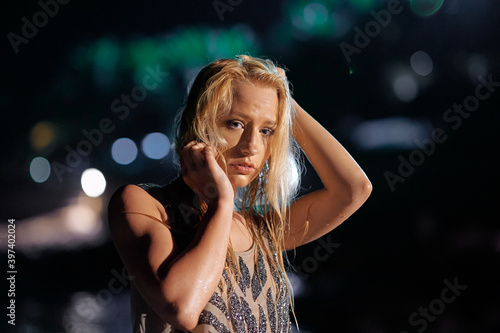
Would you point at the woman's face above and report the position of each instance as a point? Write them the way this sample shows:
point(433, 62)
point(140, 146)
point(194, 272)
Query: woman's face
point(248, 129)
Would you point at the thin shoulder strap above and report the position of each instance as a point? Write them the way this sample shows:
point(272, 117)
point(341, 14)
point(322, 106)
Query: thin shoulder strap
point(147, 215)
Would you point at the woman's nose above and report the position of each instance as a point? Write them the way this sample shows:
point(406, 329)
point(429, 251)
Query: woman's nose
point(248, 144)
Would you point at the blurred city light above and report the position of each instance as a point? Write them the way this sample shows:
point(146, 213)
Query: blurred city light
point(385, 103)
point(107, 55)
point(390, 133)
point(452, 7)
point(315, 14)
point(83, 314)
point(344, 21)
point(42, 135)
point(39, 169)
point(298, 284)
point(421, 63)
point(124, 151)
point(312, 17)
point(81, 219)
point(477, 65)
point(72, 226)
point(426, 7)
point(93, 182)
point(363, 5)
point(405, 87)
point(155, 145)
point(104, 311)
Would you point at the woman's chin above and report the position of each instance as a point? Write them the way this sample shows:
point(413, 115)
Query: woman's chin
point(240, 180)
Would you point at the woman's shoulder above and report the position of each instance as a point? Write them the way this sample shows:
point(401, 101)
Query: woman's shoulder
point(144, 192)
point(135, 199)
point(171, 205)
point(145, 196)
point(133, 194)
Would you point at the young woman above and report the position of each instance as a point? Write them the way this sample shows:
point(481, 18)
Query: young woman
point(206, 250)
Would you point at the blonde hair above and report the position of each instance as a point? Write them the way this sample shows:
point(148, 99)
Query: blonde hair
point(264, 201)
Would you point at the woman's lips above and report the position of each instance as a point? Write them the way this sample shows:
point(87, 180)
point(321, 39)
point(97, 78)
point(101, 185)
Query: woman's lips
point(245, 169)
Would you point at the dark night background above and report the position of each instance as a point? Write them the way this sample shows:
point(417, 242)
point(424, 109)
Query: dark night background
point(394, 254)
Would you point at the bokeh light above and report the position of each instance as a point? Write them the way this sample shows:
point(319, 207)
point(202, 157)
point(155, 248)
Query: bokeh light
point(124, 151)
point(390, 99)
point(39, 169)
point(344, 21)
point(107, 55)
point(93, 182)
point(421, 63)
point(315, 14)
point(155, 145)
point(76, 224)
point(390, 133)
point(363, 5)
point(426, 7)
point(477, 65)
point(298, 285)
point(42, 135)
point(314, 19)
point(405, 87)
point(82, 219)
point(452, 7)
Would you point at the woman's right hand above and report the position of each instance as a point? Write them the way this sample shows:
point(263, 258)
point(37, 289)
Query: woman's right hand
point(177, 283)
point(203, 174)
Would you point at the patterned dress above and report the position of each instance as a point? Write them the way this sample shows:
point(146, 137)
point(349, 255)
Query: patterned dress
point(259, 303)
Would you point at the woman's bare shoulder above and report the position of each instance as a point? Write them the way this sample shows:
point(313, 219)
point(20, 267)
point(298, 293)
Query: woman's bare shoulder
point(131, 203)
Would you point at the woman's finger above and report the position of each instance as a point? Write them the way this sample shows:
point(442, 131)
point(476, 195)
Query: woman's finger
point(196, 155)
point(186, 158)
point(209, 156)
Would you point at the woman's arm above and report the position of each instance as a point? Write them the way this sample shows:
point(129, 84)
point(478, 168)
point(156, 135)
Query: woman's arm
point(346, 186)
point(146, 246)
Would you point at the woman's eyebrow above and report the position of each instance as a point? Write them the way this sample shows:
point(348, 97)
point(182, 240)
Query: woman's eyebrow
point(269, 122)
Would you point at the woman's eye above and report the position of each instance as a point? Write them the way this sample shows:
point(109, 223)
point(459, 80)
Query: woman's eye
point(234, 124)
point(268, 131)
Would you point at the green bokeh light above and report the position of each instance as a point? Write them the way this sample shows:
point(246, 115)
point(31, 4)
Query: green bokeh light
point(177, 52)
point(363, 6)
point(310, 19)
point(107, 54)
point(426, 7)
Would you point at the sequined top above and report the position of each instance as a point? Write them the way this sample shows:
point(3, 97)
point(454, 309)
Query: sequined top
point(259, 303)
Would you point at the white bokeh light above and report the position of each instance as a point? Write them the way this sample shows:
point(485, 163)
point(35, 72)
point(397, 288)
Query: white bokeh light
point(93, 182)
point(81, 220)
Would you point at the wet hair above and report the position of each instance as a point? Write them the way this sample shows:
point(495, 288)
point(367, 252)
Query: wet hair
point(265, 200)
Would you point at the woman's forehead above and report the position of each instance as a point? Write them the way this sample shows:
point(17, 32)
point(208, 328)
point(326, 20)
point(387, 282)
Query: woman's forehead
point(256, 96)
